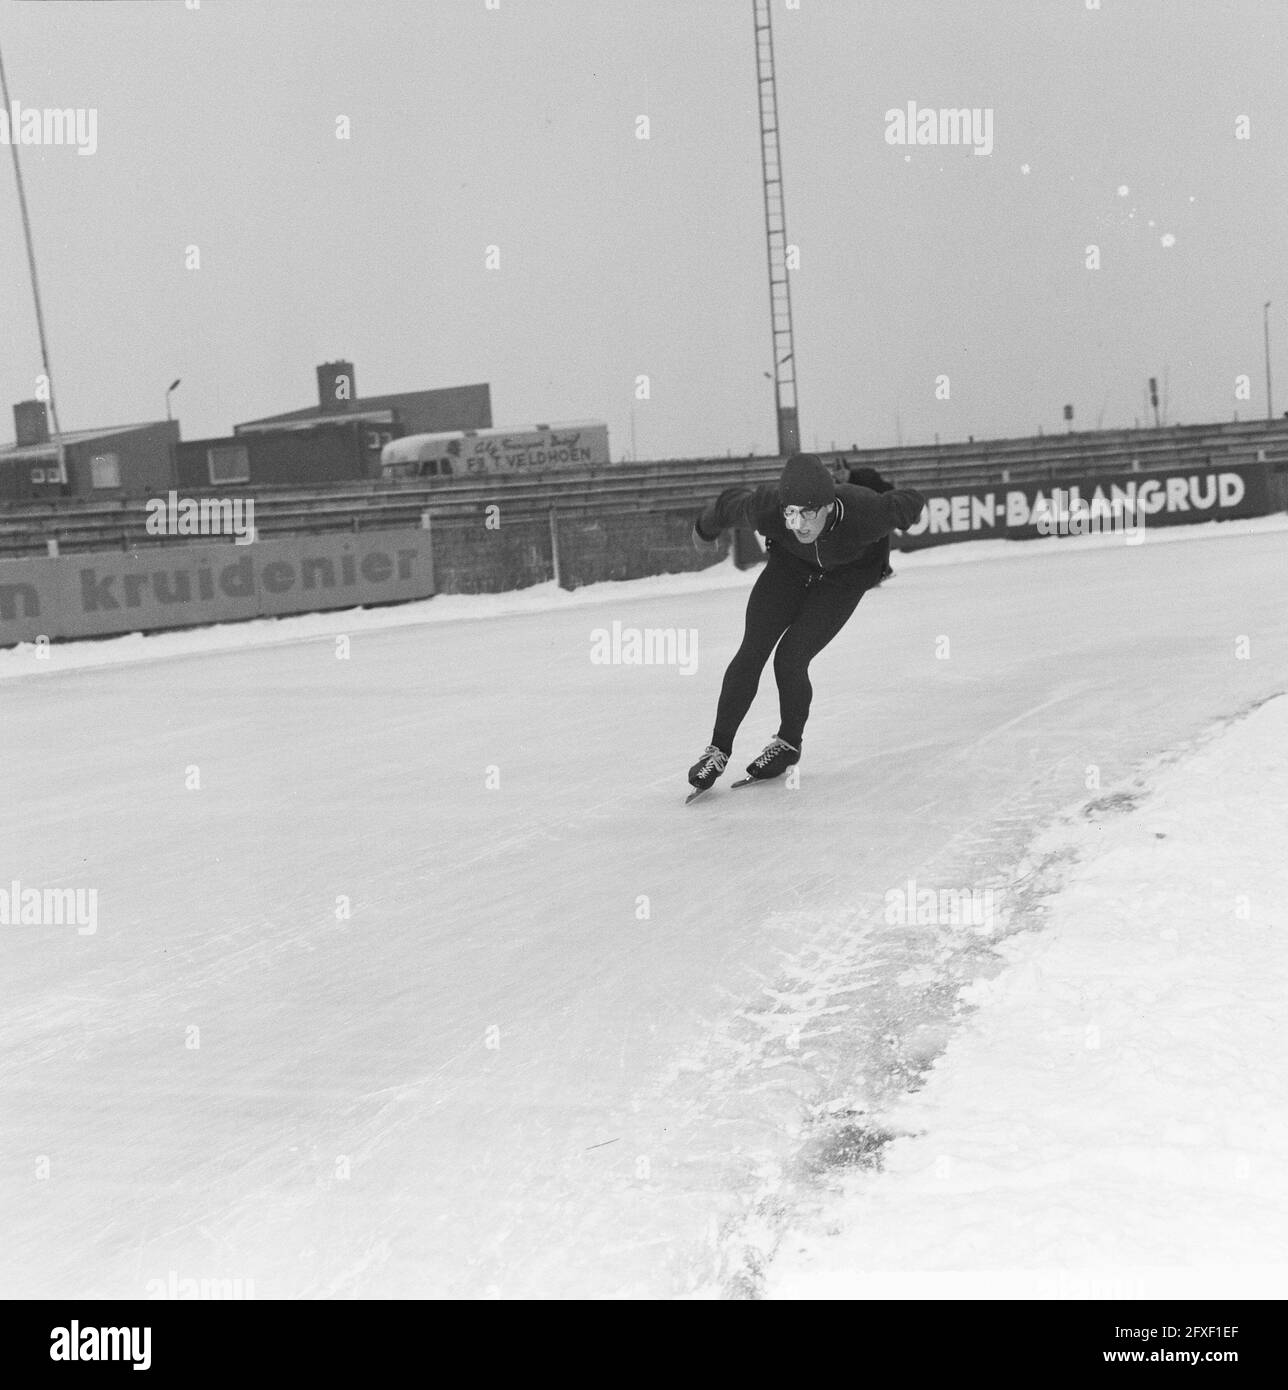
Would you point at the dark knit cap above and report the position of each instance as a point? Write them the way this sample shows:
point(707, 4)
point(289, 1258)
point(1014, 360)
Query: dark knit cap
point(806, 482)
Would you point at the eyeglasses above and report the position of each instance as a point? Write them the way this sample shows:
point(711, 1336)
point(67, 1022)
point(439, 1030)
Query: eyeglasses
point(807, 515)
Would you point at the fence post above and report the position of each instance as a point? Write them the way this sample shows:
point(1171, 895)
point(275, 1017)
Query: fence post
point(427, 526)
point(554, 549)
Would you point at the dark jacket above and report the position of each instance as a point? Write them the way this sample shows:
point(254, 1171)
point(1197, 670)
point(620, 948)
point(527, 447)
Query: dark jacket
point(869, 477)
point(851, 547)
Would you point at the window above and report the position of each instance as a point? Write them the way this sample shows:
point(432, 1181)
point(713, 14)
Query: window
point(105, 470)
point(229, 464)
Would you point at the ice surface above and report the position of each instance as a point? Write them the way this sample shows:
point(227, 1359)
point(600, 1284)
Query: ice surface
point(576, 1038)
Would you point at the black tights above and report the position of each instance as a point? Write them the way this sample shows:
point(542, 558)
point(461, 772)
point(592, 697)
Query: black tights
point(806, 609)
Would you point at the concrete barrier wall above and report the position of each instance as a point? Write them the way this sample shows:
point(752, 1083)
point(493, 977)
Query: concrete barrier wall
point(471, 558)
point(102, 593)
point(99, 594)
point(623, 547)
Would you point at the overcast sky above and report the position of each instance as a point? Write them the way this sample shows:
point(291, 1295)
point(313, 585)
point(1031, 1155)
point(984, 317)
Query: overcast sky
point(516, 127)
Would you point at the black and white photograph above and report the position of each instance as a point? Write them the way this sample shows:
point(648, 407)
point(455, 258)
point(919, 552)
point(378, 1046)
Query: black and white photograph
point(644, 658)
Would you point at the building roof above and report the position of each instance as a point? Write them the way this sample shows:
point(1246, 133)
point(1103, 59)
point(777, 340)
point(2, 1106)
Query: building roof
point(32, 453)
point(315, 422)
point(421, 412)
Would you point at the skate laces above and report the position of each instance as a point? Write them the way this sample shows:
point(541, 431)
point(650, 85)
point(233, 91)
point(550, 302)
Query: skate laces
point(771, 748)
point(714, 755)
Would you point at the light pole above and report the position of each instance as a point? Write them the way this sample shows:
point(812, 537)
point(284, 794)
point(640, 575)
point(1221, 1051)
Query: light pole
point(35, 287)
point(1265, 317)
point(174, 462)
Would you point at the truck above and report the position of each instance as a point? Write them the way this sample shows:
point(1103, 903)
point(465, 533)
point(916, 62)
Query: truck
point(476, 453)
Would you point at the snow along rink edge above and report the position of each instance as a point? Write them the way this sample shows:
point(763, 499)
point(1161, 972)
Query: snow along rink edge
point(1110, 1118)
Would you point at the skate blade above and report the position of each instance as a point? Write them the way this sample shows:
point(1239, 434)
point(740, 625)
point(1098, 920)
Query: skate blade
point(754, 781)
point(697, 792)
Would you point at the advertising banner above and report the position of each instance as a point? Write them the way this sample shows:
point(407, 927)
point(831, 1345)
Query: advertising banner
point(1127, 502)
point(142, 590)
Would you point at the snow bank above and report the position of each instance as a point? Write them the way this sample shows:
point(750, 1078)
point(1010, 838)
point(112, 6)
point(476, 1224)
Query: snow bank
point(307, 627)
point(23, 660)
point(1112, 1121)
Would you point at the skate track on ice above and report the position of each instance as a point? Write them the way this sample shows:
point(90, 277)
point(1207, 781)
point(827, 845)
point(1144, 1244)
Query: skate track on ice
point(573, 1032)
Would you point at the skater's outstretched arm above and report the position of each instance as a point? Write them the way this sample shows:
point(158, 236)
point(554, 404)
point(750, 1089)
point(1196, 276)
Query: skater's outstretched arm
point(879, 513)
point(869, 515)
point(736, 506)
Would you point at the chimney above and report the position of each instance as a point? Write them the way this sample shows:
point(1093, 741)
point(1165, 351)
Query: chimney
point(336, 389)
point(30, 423)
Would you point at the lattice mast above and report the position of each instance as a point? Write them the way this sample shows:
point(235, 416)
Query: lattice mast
point(780, 294)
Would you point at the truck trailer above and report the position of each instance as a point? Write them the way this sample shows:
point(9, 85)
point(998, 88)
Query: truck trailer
point(475, 453)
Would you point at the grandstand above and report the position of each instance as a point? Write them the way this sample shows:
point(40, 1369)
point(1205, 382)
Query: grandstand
point(672, 486)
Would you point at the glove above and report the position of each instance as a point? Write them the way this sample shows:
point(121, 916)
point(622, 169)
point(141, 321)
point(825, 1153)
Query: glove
point(869, 478)
point(704, 545)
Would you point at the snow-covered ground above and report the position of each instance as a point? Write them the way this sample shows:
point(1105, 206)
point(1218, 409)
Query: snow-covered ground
point(411, 974)
point(1111, 1119)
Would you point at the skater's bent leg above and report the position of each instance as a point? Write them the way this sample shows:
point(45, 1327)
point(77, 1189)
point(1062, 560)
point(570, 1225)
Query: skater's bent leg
point(824, 614)
point(775, 600)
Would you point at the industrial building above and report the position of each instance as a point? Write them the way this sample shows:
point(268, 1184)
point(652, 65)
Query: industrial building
point(416, 412)
point(315, 451)
point(337, 440)
point(115, 461)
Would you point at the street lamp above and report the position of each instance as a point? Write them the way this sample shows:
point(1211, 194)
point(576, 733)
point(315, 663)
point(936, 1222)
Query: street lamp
point(1265, 315)
point(174, 462)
